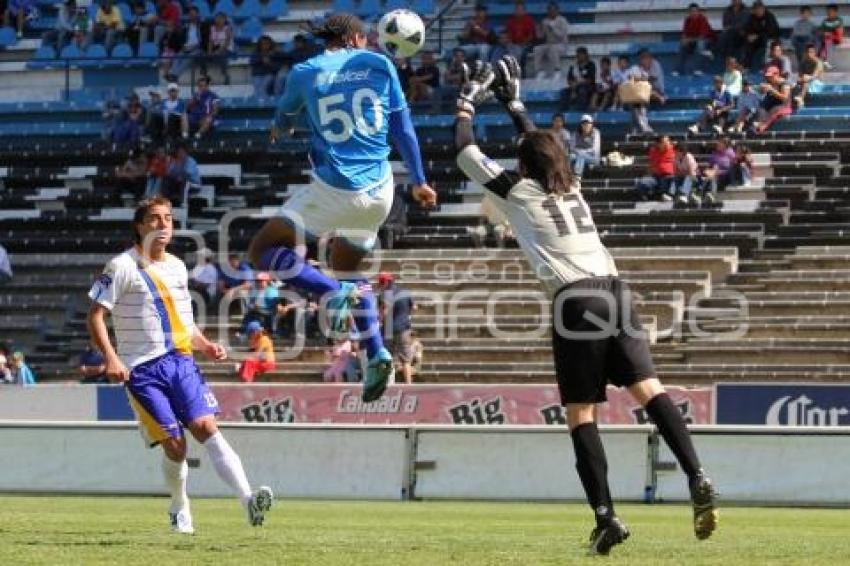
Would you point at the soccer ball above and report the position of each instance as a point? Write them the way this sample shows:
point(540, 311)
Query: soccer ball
point(401, 33)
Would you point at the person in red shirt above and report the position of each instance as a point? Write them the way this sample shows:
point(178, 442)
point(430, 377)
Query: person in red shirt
point(522, 30)
point(167, 12)
point(696, 37)
point(660, 171)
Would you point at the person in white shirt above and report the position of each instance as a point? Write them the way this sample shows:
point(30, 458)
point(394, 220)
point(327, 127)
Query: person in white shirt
point(554, 29)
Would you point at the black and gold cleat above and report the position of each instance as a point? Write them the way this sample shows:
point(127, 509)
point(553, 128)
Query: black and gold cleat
point(704, 498)
point(605, 537)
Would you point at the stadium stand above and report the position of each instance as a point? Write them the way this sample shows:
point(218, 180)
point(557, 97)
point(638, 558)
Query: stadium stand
point(782, 243)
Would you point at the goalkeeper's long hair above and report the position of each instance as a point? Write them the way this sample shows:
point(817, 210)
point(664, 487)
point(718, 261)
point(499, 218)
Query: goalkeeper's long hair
point(339, 30)
point(542, 158)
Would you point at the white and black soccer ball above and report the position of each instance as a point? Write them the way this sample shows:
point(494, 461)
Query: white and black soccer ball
point(401, 33)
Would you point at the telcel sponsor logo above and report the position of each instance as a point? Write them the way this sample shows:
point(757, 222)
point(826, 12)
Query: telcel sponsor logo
point(802, 411)
point(339, 77)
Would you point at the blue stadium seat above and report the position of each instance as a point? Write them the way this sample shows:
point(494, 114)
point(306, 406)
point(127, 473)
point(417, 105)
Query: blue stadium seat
point(123, 54)
point(224, 6)
point(7, 37)
point(148, 50)
point(273, 9)
point(250, 30)
point(395, 5)
point(43, 58)
point(343, 6)
point(126, 12)
point(70, 51)
point(423, 7)
point(246, 10)
point(368, 8)
point(94, 55)
point(203, 9)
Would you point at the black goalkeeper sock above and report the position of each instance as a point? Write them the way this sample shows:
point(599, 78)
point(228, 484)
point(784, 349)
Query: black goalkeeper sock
point(671, 425)
point(592, 468)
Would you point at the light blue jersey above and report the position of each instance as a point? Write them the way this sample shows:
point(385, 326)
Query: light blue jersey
point(349, 96)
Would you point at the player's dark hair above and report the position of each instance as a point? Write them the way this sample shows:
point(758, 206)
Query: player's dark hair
point(542, 158)
point(338, 29)
point(141, 211)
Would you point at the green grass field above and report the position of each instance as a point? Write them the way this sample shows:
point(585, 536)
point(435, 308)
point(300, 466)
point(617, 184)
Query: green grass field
point(101, 530)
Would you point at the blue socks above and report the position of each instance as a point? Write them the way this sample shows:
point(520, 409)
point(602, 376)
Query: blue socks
point(291, 267)
point(366, 319)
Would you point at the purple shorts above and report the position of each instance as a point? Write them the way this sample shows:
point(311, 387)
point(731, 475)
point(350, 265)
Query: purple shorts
point(167, 393)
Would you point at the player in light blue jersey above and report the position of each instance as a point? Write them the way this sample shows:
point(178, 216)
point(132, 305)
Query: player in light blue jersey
point(353, 103)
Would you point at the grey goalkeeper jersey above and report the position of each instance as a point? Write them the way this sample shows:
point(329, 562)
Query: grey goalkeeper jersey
point(556, 232)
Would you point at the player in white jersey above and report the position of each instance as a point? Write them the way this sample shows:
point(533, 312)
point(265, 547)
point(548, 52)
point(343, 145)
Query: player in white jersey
point(146, 290)
point(596, 337)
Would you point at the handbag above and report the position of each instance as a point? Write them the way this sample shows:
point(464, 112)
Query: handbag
point(634, 92)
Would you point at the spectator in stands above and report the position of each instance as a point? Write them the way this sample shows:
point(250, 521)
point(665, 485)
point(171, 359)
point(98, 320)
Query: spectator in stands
point(192, 51)
point(502, 46)
point(694, 45)
point(234, 279)
point(261, 359)
point(132, 173)
point(522, 31)
point(659, 173)
point(204, 277)
point(581, 81)
point(339, 359)
point(404, 72)
point(170, 47)
point(742, 170)
point(261, 303)
point(19, 10)
point(732, 77)
point(559, 128)
point(5, 371)
point(686, 175)
point(302, 50)
point(719, 170)
point(587, 146)
point(618, 77)
point(456, 69)
point(775, 102)
point(425, 82)
point(396, 305)
point(182, 170)
point(92, 366)
point(477, 34)
point(111, 115)
point(108, 24)
point(131, 123)
point(731, 39)
point(140, 25)
point(168, 13)
point(21, 372)
point(647, 69)
point(157, 169)
point(777, 58)
point(803, 33)
point(716, 112)
point(831, 34)
point(62, 32)
point(220, 47)
point(266, 64)
point(761, 28)
point(554, 31)
point(811, 75)
point(167, 119)
point(5, 265)
point(202, 109)
point(746, 108)
point(603, 98)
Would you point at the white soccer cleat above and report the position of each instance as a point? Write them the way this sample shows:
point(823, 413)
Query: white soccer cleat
point(181, 522)
point(261, 502)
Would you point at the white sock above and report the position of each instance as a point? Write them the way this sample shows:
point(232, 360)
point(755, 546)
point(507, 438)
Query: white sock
point(175, 478)
point(228, 466)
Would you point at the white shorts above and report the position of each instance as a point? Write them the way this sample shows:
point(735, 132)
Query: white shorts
point(322, 210)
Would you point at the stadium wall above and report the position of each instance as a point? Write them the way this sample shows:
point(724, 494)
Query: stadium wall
point(432, 462)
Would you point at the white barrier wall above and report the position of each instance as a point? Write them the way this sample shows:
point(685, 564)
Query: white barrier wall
point(48, 402)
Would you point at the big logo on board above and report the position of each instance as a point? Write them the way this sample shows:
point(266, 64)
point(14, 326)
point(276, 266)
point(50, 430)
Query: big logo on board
point(803, 411)
point(783, 405)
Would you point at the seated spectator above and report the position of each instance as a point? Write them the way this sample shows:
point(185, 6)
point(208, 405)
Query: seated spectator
point(92, 366)
point(170, 47)
point(803, 33)
point(21, 372)
point(647, 69)
point(108, 24)
point(686, 175)
point(719, 170)
point(553, 33)
point(734, 19)
point(732, 77)
point(581, 81)
point(746, 108)
point(191, 53)
point(157, 169)
point(396, 306)
point(354, 370)
point(559, 128)
point(111, 115)
point(521, 30)
point(604, 95)
point(425, 80)
point(302, 50)
point(587, 146)
point(182, 170)
point(694, 45)
point(168, 14)
point(171, 121)
point(20, 10)
point(339, 360)
point(742, 169)
point(831, 34)
point(477, 35)
point(456, 69)
point(64, 28)
point(234, 279)
point(776, 58)
point(811, 75)
point(618, 77)
point(140, 26)
point(716, 112)
point(502, 46)
point(202, 109)
point(220, 47)
point(761, 28)
point(131, 123)
point(775, 102)
point(132, 173)
point(659, 172)
point(261, 302)
point(261, 359)
point(5, 372)
point(266, 64)
point(204, 277)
